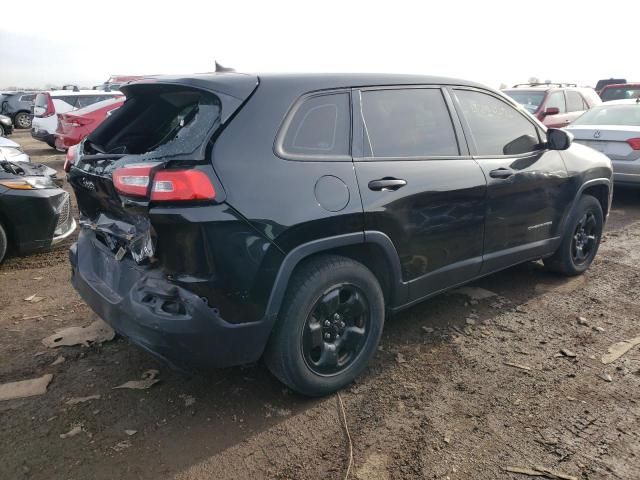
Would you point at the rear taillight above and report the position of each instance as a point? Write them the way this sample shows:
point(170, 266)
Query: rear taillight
point(77, 121)
point(70, 158)
point(51, 109)
point(167, 185)
point(634, 143)
point(172, 185)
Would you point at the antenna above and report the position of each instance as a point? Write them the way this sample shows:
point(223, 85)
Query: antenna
point(220, 68)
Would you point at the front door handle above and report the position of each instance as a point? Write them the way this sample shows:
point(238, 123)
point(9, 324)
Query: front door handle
point(501, 173)
point(387, 184)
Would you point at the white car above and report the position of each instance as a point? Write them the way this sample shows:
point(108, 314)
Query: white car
point(10, 151)
point(613, 128)
point(48, 105)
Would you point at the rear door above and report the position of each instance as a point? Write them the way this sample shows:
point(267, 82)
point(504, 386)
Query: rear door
point(527, 192)
point(561, 119)
point(576, 105)
point(419, 185)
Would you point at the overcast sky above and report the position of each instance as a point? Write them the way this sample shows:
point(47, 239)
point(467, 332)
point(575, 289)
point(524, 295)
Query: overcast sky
point(491, 41)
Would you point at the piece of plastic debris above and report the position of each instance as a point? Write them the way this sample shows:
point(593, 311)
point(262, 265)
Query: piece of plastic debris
point(567, 353)
point(188, 400)
point(58, 360)
point(598, 329)
point(618, 349)
point(75, 400)
point(97, 332)
point(118, 447)
point(427, 330)
point(400, 358)
point(583, 321)
point(33, 298)
point(475, 293)
point(517, 365)
point(149, 378)
point(606, 377)
point(131, 432)
point(25, 388)
point(72, 433)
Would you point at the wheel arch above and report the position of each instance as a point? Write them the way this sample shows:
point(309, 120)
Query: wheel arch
point(600, 188)
point(372, 248)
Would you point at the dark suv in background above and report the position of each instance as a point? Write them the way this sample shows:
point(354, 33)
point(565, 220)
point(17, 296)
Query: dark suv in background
point(18, 106)
point(554, 104)
point(226, 217)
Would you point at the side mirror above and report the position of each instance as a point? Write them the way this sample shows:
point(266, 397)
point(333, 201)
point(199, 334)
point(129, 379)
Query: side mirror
point(551, 111)
point(558, 139)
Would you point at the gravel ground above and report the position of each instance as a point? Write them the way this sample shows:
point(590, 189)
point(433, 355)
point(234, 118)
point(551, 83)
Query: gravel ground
point(460, 388)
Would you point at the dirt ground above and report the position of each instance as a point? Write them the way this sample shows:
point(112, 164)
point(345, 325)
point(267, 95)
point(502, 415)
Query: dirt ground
point(460, 388)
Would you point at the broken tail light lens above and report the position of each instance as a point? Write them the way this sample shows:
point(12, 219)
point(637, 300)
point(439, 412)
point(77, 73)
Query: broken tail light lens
point(634, 143)
point(179, 185)
point(167, 185)
point(51, 109)
point(70, 158)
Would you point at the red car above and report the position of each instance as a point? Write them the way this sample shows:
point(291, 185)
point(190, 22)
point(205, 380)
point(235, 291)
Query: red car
point(77, 124)
point(620, 91)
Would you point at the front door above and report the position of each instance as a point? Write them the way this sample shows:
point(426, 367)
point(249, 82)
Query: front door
point(527, 190)
point(419, 185)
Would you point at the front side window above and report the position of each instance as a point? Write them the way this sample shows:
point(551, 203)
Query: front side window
point(319, 127)
point(407, 123)
point(574, 102)
point(496, 127)
point(27, 98)
point(556, 100)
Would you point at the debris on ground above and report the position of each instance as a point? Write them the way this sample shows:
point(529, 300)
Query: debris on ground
point(474, 293)
point(76, 400)
point(447, 438)
point(618, 349)
point(131, 432)
point(400, 358)
point(25, 388)
point(72, 433)
point(540, 472)
point(568, 353)
point(517, 365)
point(33, 298)
point(97, 332)
point(188, 400)
point(428, 329)
point(606, 377)
point(599, 329)
point(120, 446)
point(149, 378)
point(58, 361)
point(583, 321)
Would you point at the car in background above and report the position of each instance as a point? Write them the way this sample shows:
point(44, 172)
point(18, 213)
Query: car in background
point(50, 104)
point(114, 82)
point(17, 106)
point(35, 213)
point(6, 126)
point(613, 128)
point(556, 105)
point(12, 152)
point(622, 91)
point(74, 126)
point(608, 81)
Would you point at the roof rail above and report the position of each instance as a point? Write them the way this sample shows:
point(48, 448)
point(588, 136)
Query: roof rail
point(545, 84)
point(71, 87)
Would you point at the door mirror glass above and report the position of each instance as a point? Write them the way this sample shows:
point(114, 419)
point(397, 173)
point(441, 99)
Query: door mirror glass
point(551, 111)
point(558, 139)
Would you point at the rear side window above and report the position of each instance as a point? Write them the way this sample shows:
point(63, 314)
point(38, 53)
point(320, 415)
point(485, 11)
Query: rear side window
point(318, 128)
point(556, 99)
point(574, 102)
point(41, 100)
point(27, 98)
point(407, 123)
point(70, 99)
point(496, 127)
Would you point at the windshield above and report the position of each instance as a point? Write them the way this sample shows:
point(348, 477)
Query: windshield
point(620, 93)
point(627, 115)
point(529, 100)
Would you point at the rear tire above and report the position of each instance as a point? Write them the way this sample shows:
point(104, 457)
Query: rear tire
point(3, 243)
point(22, 120)
point(581, 239)
point(329, 326)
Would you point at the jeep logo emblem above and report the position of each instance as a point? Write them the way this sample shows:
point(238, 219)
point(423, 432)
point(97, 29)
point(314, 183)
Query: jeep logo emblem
point(88, 184)
point(596, 134)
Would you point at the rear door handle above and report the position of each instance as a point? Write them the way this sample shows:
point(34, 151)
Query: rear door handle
point(501, 173)
point(387, 184)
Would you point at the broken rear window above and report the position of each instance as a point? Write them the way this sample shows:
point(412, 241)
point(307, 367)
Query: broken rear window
point(158, 121)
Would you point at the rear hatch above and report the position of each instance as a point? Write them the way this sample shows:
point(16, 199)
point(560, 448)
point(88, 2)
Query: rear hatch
point(618, 142)
point(154, 150)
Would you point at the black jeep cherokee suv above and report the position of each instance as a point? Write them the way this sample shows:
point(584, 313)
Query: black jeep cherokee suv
point(226, 217)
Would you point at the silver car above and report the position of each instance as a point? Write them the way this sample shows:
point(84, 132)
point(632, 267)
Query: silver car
point(613, 128)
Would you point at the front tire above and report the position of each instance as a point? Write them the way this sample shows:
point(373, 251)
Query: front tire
point(329, 326)
point(3, 243)
point(581, 239)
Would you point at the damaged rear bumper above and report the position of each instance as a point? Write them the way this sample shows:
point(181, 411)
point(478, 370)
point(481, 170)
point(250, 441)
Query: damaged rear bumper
point(161, 317)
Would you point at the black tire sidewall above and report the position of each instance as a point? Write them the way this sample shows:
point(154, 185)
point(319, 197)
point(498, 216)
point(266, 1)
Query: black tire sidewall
point(3, 243)
point(585, 204)
point(288, 341)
